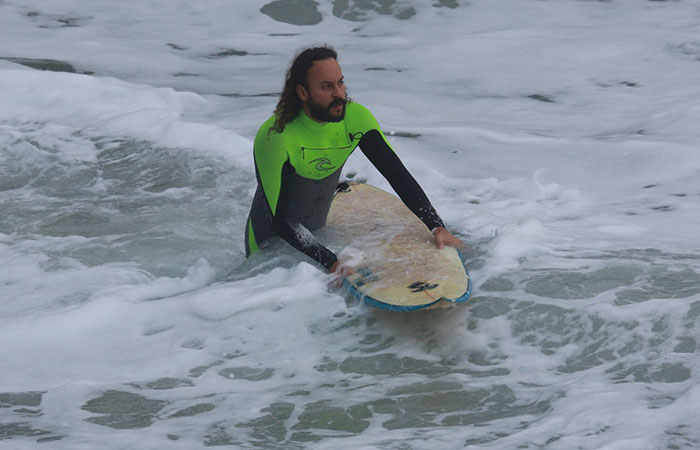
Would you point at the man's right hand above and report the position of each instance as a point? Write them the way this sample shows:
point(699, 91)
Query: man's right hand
point(340, 271)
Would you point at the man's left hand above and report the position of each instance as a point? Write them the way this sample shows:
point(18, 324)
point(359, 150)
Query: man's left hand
point(443, 237)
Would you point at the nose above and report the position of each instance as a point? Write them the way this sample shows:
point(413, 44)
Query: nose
point(339, 91)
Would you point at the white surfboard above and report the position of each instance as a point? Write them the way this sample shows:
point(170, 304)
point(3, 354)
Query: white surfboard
point(401, 269)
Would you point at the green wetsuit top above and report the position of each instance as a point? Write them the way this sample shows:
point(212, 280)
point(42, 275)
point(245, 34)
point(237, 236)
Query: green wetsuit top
point(298, 170)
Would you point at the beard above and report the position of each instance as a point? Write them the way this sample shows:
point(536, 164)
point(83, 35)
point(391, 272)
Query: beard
point(323, 113)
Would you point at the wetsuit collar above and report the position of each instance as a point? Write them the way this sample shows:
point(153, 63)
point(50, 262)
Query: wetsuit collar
point(310, 123)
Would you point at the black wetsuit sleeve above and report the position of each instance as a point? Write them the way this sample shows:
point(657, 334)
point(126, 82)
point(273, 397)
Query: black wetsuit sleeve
point(299, 237)
point(390, 166)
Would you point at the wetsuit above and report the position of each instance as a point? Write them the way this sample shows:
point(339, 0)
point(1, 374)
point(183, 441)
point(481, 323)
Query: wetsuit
point(298, 170)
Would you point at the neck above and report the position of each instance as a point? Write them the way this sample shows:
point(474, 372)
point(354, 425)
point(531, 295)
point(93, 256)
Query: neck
point(306, 111)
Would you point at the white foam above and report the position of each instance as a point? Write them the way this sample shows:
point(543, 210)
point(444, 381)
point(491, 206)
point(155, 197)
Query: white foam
point(115, 107)
point(558, 138)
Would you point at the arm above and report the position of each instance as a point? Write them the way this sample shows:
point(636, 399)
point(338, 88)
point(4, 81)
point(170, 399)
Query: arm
point(380, 154)
point(299, 237)
point(390, 166)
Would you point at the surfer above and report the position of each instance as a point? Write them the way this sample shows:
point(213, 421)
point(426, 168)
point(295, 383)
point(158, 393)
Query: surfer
point(299, 153)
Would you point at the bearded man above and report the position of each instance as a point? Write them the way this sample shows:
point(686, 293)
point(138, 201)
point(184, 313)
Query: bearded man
point(299, 154)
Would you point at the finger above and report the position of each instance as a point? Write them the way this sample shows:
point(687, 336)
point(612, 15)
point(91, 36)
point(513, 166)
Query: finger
point(447, 238)
point(344, 273)
point(439, 241)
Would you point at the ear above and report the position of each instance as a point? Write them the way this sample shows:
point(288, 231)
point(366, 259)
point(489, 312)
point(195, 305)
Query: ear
point(302, 93)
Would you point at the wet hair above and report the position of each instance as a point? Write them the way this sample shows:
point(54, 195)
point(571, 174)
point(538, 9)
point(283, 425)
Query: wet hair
point(289, 103)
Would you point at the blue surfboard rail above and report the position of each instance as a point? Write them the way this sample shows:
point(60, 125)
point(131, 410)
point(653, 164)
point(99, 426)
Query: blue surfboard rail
point(371, 301)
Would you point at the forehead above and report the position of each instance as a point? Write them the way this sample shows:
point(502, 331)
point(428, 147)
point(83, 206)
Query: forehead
point(325, 70)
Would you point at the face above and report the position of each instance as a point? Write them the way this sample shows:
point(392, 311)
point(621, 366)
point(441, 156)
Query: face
point(325, 99)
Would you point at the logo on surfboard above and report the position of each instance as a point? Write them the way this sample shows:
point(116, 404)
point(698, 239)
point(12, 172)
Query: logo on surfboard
point(420, 286)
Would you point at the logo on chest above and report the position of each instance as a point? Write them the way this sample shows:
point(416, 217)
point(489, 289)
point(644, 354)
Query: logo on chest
point(322, 164)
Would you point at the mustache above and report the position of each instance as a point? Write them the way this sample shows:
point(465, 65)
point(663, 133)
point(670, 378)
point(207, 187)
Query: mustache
point(338, 102)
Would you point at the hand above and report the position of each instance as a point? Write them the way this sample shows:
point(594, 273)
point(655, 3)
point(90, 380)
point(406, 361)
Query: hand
point(340, 271)
point(444, 237)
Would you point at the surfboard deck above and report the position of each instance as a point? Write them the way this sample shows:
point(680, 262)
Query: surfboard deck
point(401, 269)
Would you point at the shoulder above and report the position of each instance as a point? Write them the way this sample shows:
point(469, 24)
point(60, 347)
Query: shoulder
point(266, 129)
point(354, 109)
point(268, 137)
point(358, 117)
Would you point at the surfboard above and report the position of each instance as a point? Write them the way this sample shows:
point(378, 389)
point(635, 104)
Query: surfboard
point(400, 268)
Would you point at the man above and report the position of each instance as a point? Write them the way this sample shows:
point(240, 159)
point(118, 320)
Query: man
point(300, 151)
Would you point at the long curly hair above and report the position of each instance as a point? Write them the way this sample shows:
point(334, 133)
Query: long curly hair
point(289, 103)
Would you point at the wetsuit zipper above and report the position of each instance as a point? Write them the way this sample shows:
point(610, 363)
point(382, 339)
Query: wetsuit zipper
point(303, 149)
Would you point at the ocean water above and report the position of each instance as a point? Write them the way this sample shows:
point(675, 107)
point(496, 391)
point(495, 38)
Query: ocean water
point(558, 138)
